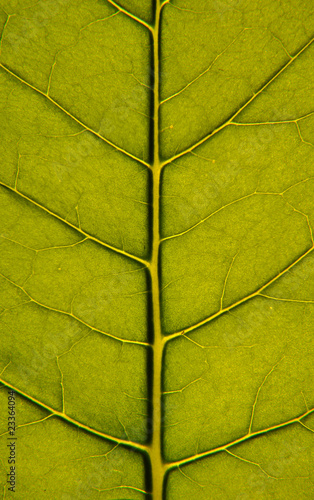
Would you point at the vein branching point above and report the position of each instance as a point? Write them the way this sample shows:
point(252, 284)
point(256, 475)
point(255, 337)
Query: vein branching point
point(157, 465)
point(158, 163)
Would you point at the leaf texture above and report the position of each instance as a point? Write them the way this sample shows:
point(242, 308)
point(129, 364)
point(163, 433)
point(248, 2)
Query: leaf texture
point(156, 202)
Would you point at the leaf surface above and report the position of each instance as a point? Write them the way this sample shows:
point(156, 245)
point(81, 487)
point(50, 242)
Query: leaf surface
point(157, 248)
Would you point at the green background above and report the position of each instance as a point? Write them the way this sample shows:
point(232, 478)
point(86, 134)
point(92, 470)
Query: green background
point(236, 257)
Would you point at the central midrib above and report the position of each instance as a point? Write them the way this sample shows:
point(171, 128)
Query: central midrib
point(157, 465)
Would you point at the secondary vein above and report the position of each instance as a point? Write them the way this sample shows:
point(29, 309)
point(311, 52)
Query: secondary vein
point(234, 115)
point(246, 437)
point(79, 122)
point(239, 302)
point(70, 420)
point(78, 229)
point(132, 16)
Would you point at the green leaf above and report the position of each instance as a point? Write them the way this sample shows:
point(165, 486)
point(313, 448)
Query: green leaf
point(157, 297)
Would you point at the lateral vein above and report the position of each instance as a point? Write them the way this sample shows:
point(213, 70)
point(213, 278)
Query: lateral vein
point(76, 318)
point(79, 122)
point(78, 229)
point(246, 437)
point(239, 302)
point(63, 416)
point(230, 120)
point(132, 16)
